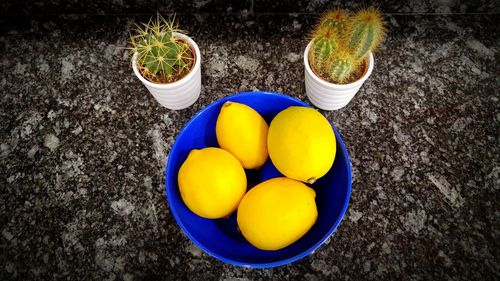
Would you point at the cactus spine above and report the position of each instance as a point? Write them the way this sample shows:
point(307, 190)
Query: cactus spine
point(341, 42)
point(162, 57)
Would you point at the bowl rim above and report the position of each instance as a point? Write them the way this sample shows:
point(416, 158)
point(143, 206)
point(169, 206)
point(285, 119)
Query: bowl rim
point(291, 259)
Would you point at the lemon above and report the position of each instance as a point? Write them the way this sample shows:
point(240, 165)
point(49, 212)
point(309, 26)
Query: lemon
point(211, 182)
point(243, 132)
point(301, 143)
point(276, 213)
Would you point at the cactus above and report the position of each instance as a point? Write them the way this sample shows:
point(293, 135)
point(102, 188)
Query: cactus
point(365, 32)
point(335, 20)
point(341, 42)
point(340, 66)
point(326, 37)
point(323, 44)
point(162, 56)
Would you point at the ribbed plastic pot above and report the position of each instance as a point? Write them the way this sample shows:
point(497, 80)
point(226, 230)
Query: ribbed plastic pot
point(329, 96)
point(179, 94)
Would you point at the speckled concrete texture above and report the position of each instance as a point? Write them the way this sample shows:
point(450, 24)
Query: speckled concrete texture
point(83, 149)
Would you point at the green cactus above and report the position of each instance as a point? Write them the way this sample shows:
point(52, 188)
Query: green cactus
point(324, 43)
point(335, 20)
point(340, 67)
point(365, 32)
point(340, 43)
point(326, 37)
point(162, 56)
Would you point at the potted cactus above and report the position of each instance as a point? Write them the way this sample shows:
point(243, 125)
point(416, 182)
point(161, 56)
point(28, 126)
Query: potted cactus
point(167, 62)
point(339, 57)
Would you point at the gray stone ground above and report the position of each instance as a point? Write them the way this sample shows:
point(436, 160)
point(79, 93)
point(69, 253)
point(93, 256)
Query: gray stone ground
point(83, 150)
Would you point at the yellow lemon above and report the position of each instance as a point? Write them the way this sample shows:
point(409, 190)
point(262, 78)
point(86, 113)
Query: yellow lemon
point(301, 143)
point(276, 213)
point(243, 132)
point(211, 182)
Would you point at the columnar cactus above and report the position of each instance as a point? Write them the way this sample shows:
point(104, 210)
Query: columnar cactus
point(340, 43)
point(335, 20)
point(162, 56)
point(324, 43)
point(365, 32)
point(340, 66)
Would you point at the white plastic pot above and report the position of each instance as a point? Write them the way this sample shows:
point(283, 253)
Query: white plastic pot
point(329, 96)
point(179, 94)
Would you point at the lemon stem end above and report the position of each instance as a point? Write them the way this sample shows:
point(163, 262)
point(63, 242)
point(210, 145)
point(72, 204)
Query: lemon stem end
point(311, 180)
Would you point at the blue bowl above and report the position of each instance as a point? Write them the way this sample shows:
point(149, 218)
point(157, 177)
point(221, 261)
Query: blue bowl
point(220, 238)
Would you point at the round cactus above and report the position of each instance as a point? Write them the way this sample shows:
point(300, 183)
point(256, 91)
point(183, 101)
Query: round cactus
point(162, 56)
